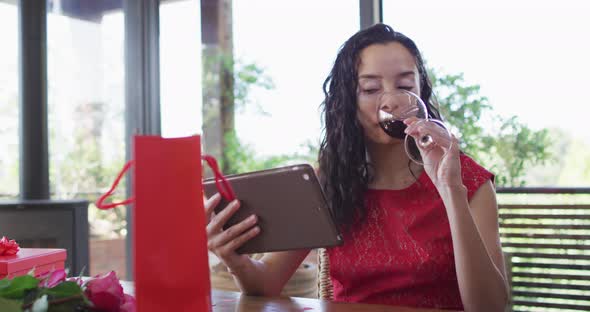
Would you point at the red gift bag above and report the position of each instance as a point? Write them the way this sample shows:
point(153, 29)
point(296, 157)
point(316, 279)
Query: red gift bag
point(171, 266)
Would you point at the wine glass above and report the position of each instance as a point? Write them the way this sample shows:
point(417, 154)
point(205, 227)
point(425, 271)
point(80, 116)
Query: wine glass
point(394, 108)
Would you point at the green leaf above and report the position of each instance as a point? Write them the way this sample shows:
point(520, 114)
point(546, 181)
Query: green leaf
point(64, 289)
point(7, 305)
point(4, 283)
point(31, 296)
point(18, 287)
point(67, 296)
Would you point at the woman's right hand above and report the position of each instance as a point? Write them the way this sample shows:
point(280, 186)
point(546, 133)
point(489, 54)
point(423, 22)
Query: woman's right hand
point(223, 243)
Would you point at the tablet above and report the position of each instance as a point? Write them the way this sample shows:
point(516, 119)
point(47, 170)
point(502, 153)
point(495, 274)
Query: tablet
point(291, 208)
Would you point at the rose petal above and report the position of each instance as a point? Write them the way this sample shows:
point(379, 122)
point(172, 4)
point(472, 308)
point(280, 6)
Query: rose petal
point(128, 305)
point(104, 301)
point(55, 278)
point(43, 275)
point(77, 280)
point(105, 292)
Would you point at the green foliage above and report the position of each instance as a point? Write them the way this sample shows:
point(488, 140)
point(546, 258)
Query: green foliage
point(549, 172)
point(461, 106)
point(67, 296)
point(82, 171)
point(504, 145)
point(21, 293)
point(247, 76)
point(65, 289)
point(518, 148)
point(17, 287)
point(575, 167)
point(243, 158)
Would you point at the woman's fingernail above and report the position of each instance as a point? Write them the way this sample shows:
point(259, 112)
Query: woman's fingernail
point(252, 218)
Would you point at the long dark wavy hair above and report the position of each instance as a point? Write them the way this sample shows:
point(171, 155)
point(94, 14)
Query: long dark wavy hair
point(344, 170)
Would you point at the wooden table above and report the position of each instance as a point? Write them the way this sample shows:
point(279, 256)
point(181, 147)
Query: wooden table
point(233, 301)
point(223, 301)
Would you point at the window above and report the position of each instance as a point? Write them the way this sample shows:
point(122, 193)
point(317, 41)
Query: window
point(295, 43)
point(180, 68)
point(86, 99)
point(529, 59)
point(9, 111)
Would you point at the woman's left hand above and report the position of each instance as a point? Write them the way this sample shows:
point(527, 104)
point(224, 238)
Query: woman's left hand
point(441, 156)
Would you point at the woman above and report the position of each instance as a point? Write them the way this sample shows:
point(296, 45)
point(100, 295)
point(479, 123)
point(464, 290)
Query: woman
point(421, 236)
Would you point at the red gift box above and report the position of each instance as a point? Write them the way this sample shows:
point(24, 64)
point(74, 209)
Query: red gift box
point(41, 259)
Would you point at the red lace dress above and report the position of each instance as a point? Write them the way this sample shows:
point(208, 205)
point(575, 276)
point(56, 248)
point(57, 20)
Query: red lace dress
point(402, 254)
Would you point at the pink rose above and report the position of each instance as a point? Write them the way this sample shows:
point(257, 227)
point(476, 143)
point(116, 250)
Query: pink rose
point(8, 247)
point(105, 292)
point(76, 280)
point(129, 304)
point(52, 278)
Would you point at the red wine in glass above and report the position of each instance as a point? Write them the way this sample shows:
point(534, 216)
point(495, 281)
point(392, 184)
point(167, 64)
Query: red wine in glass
point(394, 128)
point(394, 108)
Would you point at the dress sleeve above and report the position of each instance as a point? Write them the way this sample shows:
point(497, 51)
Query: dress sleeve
point(473, 175)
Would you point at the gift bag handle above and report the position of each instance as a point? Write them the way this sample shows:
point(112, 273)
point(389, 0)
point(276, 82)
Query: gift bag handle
point(221, 182)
